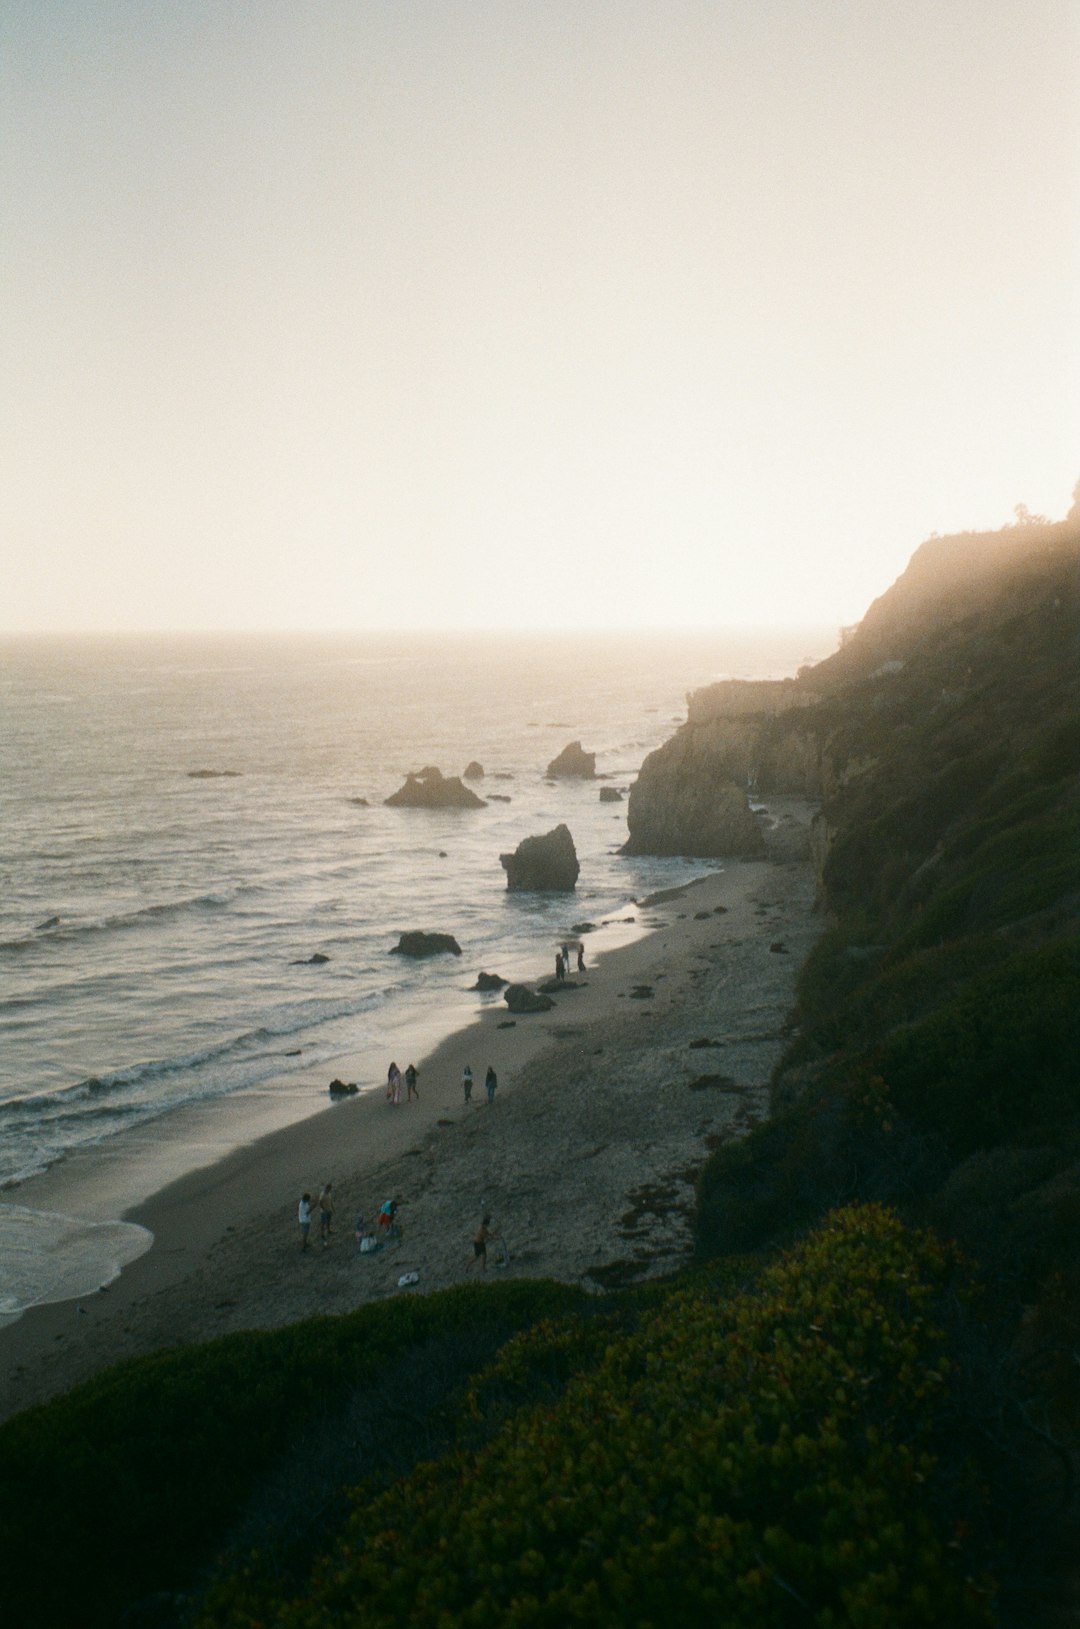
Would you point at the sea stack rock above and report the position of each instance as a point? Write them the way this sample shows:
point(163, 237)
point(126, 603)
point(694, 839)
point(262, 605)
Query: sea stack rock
point(473, 772)
point(430, 789)
point(426, 944)
point(610, 794)
point(573, 761)
point(543, 864)
point(680, 805)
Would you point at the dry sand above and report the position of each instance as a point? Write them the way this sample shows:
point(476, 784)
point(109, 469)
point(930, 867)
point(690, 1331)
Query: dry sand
point(605, 1112)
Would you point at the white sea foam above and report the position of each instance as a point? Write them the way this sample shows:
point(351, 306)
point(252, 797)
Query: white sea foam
point(59, 1258)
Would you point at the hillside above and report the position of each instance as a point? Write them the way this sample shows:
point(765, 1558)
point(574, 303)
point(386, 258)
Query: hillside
point(936, 1064)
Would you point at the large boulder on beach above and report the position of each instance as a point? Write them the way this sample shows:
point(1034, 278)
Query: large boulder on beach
point(420, 944)
point(547, 864)
point(519, 998)
point(680, 804)
point(430, 789)
point(574, 761)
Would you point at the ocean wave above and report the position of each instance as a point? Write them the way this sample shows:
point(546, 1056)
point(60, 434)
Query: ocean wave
point(59, 928)
point(247, 1047)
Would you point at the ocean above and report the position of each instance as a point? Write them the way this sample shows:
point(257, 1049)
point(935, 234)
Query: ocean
point(187, 821)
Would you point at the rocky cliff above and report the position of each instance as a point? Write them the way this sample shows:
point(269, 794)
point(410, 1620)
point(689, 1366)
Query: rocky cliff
point(813, 735)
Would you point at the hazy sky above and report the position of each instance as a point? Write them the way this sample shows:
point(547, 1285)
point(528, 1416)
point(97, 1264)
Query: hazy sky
point(498, 313)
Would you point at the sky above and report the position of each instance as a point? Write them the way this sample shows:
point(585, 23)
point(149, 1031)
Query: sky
point(499, 314)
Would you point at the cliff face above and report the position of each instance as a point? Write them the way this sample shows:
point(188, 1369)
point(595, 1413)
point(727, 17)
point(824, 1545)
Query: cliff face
point(685, 802)
point(914, 652)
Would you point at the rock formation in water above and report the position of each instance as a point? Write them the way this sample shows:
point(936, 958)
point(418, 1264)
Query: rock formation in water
point(473, 771)
point(419, 944)
point(573, 762)
point(543, 864)
point(429, 788)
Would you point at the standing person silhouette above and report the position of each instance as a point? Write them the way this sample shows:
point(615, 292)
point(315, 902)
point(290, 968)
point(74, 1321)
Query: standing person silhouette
point(491, 1080)
point(466, 1083)
point(326, 1212)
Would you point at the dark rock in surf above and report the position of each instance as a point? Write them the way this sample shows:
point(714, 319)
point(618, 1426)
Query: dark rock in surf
point(489, 981)
point(520, 999)
point(213, 774)
point(338, 1088)
point(317, 960)
point(547, 864)
point(419, 944)
point(473, 771)
point(610, 794)
point(431, 789)
point(573, 762)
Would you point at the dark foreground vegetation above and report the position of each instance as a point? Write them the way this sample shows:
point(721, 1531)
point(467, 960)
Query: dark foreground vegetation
point(834, 1418)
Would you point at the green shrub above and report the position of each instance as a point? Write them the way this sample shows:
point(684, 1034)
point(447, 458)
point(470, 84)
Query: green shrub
point(1000, 1060)
point(772, 1460)
point(133, 1479)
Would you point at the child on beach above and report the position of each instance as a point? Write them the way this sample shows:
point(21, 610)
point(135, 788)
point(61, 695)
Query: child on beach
point(304, 1218)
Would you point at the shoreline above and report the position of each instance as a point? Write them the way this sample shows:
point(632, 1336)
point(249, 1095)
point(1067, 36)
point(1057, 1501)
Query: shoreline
point(610, 1071)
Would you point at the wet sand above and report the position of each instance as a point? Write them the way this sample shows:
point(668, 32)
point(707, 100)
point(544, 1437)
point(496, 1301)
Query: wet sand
point(604, 1113)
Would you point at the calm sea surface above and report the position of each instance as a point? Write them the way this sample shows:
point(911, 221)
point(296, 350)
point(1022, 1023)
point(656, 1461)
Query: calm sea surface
point(154, 924)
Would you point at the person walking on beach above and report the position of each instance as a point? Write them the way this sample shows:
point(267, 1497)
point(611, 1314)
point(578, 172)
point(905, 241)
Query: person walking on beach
point(326, 1212)
point(560, 966)
point(304, 1218)
point(393, 1084)
point(581, 958)
point(410, 1082)
point(466, 1083)
point(491, 1080)
point(481, 1239)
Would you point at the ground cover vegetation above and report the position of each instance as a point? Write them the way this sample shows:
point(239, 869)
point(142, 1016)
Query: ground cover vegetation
point(831, 1417)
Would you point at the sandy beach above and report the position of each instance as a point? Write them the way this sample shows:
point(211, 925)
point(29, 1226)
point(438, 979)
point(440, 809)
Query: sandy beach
point(606, 1108)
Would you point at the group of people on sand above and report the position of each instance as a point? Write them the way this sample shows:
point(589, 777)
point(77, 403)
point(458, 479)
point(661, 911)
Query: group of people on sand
point(386, 1222)
point(491, 1081)
point(386, 1229)
point(562, 960)
point(325, 1203)
point(394, 1079)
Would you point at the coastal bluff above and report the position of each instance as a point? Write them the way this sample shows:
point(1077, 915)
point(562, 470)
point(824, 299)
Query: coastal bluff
point(813, 735)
